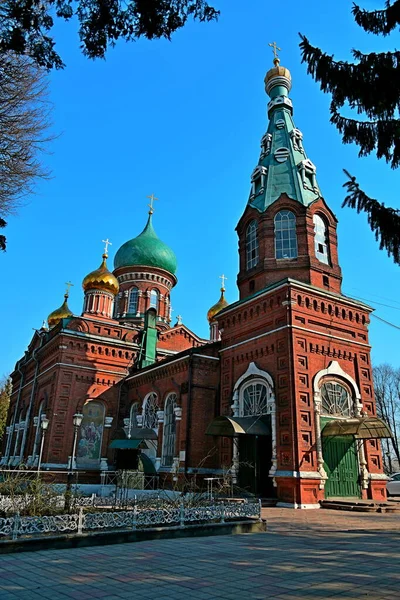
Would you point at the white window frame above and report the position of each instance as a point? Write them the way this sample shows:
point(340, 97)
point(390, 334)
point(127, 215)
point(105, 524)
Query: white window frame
point(320, 239)
point(252, 248)
point(256, 410)
point(285, 230)
point(133, 302)
point(149, 412)
point(154, 293)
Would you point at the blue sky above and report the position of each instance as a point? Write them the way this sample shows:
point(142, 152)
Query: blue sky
point(183, 120)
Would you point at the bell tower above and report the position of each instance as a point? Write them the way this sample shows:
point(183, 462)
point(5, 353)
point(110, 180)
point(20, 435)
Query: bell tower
point(286, 230)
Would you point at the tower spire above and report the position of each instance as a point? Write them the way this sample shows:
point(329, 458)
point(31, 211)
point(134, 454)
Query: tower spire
point(283, 166)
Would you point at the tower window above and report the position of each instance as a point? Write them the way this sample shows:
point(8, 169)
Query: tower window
point(320, 241)
point(252, 254)
point(285, 235)
point(133, 301)
point(154, 299)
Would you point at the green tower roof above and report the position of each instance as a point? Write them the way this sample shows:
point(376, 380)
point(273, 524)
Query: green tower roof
point(283, 166)
point(146, 250)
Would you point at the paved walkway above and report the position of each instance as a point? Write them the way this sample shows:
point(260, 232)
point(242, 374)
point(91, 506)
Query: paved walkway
point(305, 554)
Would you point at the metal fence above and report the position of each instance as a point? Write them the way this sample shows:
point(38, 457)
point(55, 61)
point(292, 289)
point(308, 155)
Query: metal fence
point(167, 515)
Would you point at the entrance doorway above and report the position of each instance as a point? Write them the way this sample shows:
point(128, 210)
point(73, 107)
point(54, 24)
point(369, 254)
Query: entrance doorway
point(341, 466)
point(255, 456)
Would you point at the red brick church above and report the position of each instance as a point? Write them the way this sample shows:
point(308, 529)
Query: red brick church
point(281, 395)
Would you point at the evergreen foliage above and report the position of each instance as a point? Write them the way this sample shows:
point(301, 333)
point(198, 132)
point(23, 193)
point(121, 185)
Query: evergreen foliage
point(371, 87)
point(5, 394)
point(25, 25)
point(24, 118)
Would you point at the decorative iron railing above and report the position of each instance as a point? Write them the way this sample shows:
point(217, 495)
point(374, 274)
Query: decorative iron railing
point(173, 514)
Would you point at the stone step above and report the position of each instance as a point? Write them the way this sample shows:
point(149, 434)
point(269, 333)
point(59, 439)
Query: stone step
point(361, 505)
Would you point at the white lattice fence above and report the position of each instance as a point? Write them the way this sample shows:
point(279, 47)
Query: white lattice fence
point(16, 526)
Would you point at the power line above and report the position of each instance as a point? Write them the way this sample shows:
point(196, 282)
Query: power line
point(378, 303)
point(384, 321)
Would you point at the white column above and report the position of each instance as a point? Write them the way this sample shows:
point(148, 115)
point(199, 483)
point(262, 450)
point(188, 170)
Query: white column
point(320, 458)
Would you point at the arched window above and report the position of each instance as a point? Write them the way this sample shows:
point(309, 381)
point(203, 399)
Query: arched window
point(336, 400)
point(285, 235)
point(251, 246)
point(150, 408)
point(154, 299)
point(133, 301)
point(320, 240)
point(169, 439)
point(91, 434)
point(254, 399)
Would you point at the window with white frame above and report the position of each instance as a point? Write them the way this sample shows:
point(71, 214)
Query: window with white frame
point(133, 301)
point(252, 254)
point(254, 398)
point(150, 409)
point(320, 239)
point(169, 437)
point(154, 299)
point(285, 235)
point(336, 400)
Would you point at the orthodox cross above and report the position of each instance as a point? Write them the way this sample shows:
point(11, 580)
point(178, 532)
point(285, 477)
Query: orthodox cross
point(274, 49)
point(107, 243)
point(223, 279)
point(68, 284)
point(151, 198)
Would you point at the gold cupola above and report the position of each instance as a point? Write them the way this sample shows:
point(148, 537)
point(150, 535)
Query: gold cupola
point(278, 76)
point(63, 312)
point(222, 303)
point(101, 279)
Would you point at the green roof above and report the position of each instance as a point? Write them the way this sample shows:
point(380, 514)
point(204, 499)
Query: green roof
point(146, 250)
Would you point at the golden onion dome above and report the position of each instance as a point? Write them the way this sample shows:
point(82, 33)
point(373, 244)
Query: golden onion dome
point(63, 312)
point(214, 310)
point(101, 279)
point(278, 76)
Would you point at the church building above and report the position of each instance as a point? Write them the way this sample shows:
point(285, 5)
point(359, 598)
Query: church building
point(281, 394)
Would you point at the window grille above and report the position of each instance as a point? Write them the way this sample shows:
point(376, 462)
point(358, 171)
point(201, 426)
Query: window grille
point(150, 419)
point(336, 400)
point(285, 235)
point(254, 399)
point(169, 438)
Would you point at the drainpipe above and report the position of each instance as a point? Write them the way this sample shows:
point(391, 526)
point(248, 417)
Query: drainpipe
point(11, 434)
point(188, 413)
point(28, 414)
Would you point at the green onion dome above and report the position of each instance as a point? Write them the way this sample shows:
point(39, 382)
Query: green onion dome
point(146, 250)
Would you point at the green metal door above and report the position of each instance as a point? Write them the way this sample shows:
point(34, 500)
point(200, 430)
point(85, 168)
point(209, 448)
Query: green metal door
point(341, 466)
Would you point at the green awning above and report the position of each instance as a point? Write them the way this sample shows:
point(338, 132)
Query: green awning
point(127, 444)
point(232, 426)
point(362, 428)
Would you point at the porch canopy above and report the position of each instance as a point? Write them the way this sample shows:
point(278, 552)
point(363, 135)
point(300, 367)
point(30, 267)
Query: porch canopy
point(362, 428)
point(232, 426)
point(128, 444)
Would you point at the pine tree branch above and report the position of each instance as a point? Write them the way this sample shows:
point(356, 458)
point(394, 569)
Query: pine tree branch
point(382, 136)
point(364, 86)
point(383, 221)
point(2, 237)
point(379, 22)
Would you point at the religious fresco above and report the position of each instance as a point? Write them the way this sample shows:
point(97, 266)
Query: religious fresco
point(91, 434)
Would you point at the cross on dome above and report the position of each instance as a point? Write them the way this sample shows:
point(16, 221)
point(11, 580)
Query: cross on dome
point(68, 284)
point(274, 49)
point(151, 198)
point(107, 243)
point(223, 278)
